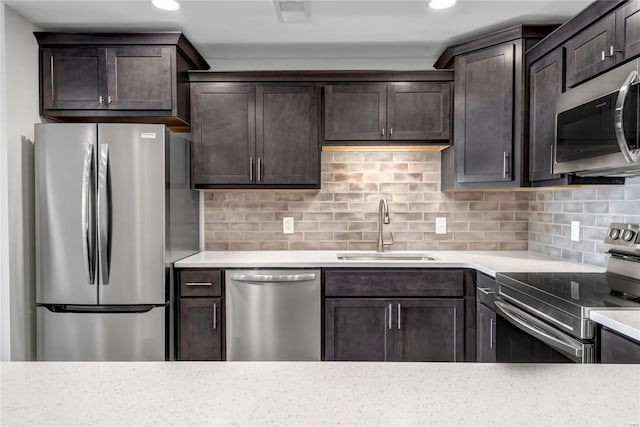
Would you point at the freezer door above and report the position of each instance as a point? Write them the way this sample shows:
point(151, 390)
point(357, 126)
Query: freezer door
point(64, 208)
point(131, 214)
point(68, 336)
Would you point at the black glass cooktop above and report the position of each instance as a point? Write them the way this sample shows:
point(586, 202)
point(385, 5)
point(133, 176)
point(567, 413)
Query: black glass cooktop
point(585, 290)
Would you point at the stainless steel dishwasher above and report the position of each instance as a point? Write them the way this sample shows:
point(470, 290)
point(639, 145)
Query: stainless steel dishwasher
point(273, 315)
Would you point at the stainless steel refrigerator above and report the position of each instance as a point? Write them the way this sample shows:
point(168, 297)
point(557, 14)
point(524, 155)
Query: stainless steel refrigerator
point(114, 210)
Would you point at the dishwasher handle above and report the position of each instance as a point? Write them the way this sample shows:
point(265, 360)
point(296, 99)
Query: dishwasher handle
point(273, 278)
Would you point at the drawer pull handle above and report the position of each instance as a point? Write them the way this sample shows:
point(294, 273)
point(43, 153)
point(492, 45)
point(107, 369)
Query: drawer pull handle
point(486, 291)
point(199, 283)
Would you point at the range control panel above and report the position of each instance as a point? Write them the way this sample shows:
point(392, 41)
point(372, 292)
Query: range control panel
point(623, 238)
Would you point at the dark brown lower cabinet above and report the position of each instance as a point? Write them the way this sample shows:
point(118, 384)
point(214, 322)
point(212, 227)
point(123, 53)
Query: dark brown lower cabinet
point(372, 329)
point(615, 348)
point(486, 334)
point(200, 329)
point(356, 329)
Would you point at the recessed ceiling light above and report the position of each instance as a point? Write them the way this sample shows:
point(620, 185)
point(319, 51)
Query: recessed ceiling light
point(441, 4)
point(166, 4)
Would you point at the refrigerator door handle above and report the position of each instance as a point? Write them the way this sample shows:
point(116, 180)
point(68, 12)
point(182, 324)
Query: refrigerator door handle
point(104, 213)
point(88, 240)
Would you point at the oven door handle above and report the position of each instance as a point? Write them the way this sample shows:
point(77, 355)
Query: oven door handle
point(541, 331)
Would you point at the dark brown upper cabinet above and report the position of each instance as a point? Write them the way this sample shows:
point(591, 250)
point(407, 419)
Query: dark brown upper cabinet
point(484, 115)
point(418, 111)
point(410, 111)
point(490, 107)
point(628, 31)
point(247, 135)
point(355, 112)
point(545, 85)
point(612, 39)
point(133, 77)
point(591, 51)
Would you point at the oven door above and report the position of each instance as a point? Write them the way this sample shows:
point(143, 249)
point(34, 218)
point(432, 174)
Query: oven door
point(523, 338)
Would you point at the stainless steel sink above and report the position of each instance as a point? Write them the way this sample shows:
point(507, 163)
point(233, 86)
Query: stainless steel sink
point(385, 256)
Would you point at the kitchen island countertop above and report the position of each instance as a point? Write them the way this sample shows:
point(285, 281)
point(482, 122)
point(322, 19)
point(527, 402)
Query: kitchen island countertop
point(317, 393)
point(487, 262)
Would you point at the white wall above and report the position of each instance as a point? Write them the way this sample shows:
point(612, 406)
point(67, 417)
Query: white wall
point(5, 306)
point(231, 64)
point(20, 112)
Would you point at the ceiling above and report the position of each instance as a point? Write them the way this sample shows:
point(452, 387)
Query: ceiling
point(347, 29)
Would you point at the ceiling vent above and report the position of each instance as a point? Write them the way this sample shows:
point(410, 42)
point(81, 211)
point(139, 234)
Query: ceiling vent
point(292, 11)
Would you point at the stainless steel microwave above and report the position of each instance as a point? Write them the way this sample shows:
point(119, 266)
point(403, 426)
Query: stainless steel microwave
point(597, 126)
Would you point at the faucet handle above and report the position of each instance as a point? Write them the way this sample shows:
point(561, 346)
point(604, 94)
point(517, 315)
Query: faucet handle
point(388, 242)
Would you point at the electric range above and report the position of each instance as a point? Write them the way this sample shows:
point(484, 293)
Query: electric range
point(553, 308)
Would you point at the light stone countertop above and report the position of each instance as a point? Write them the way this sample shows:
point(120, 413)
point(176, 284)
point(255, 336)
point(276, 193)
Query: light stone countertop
point(488, 262)
point(627, 321)
point(318, 393)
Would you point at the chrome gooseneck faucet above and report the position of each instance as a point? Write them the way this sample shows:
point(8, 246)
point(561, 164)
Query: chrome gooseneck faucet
point(383, 218)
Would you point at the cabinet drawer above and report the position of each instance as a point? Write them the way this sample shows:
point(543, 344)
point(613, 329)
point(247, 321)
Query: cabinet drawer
point(201, 283)
point(394, 283)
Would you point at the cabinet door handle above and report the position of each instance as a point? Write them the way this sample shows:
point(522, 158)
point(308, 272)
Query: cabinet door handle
point(399, 311)
point(251, 169)
point(215, 316)
point(259, 171)
point(382, 132)
point(492, 323)
point(505, 164)
point(390, 131)
point(551, 164)
point(390, 315)
point(101, 99)
point(198, 283)
point(109, 100)
point(612, 51)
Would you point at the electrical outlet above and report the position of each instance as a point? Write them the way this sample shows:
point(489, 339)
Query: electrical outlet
point(287, 225)
point(441, 225)
point(575, 231)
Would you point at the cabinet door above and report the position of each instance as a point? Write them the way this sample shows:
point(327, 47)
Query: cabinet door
point(418, 111)
point(617, 349)
point(140, 78)
point(358, 329)
point(486, 334)
point(483, 136)
point(355, 112)
point(628, 31)
point(287, 135)
point(429, 330)
point(589, 52)
point(73, 78)
point(200, 329)
point(224, 133)
point(545, 82)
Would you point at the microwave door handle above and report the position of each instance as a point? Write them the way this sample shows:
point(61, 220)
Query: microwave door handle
point(619, 118)
point(538, 330)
